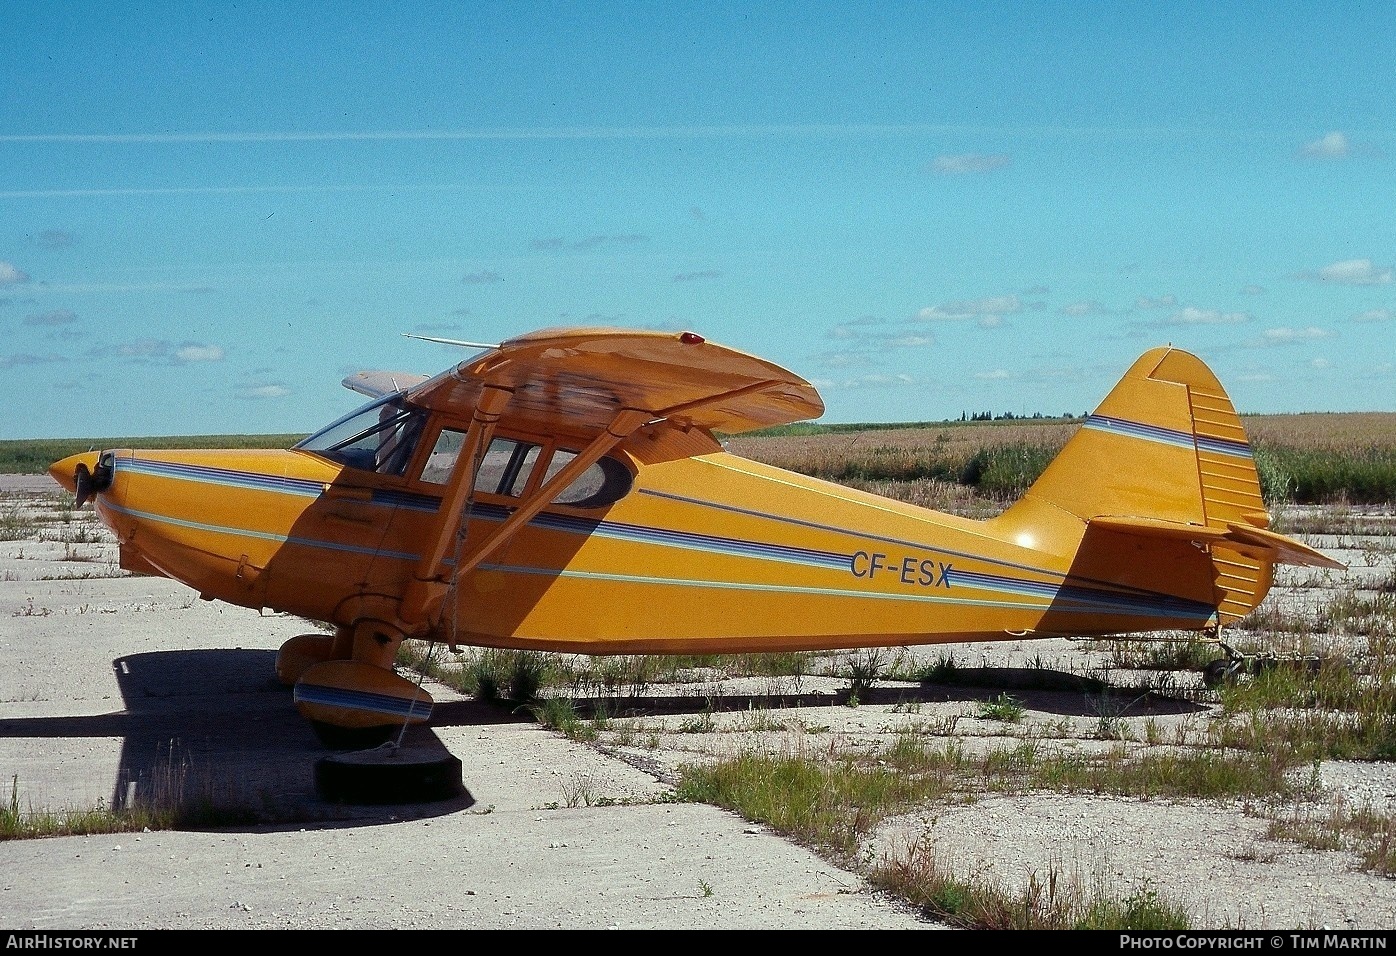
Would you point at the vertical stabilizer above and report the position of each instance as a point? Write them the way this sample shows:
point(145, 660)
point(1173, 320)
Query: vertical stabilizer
point(1164, 452)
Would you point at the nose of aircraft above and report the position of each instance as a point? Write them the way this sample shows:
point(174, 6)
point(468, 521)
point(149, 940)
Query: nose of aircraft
point(76, 470)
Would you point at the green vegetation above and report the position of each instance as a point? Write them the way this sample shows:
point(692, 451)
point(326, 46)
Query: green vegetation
point(1324, 475)
point(1060, 900)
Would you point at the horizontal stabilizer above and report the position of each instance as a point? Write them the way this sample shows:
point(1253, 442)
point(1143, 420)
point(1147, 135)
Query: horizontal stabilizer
point(1277, 548)
point(378, 384)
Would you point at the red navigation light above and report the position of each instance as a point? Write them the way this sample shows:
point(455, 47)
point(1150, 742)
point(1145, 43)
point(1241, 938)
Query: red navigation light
point(691, 338)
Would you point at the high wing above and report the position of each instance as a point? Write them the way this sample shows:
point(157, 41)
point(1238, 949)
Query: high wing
point(597, 386)
point(378, 384)
point(576, 381)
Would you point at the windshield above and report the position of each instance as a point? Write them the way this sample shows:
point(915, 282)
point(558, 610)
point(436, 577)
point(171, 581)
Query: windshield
point(378, 437)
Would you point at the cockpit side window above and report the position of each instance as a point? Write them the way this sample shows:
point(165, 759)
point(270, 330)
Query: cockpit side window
point(509, 463)
point(380, 437)
point(504, 469)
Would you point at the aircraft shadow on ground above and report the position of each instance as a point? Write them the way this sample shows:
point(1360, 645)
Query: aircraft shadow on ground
point(212, 731)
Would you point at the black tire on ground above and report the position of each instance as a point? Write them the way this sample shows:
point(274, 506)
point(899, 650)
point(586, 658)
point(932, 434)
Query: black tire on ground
point(389, 775)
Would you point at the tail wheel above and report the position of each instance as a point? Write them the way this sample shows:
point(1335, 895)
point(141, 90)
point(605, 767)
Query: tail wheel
point(1222, 670)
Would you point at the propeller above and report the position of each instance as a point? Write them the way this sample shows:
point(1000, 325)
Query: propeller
point(88, 483)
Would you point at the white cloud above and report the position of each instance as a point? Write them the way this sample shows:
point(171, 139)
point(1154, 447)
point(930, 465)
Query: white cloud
point(1332, 145)
point(1319, 363)
point(869, 335)
point(1162, 302)
point(1286, 334)
point(1350, 272)
point(995, 375)
point(1083, 308)
point(9, 275)
point(143, 348)
point(265, 391)
point(1195, 316)
point(966, 163)
point(1373, 315)
point(989, 311)
point(844, 360)
point(196, 352)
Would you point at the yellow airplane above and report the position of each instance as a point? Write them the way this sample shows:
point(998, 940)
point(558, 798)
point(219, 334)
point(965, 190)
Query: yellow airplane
point(566, 491)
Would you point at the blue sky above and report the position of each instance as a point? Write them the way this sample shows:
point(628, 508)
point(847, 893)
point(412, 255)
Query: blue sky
point(211, 213)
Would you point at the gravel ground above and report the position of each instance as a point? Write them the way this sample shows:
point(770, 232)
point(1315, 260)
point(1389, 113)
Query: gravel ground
point(113, 680)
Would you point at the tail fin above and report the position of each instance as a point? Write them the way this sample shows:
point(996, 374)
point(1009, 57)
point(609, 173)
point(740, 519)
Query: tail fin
point(1163, 458)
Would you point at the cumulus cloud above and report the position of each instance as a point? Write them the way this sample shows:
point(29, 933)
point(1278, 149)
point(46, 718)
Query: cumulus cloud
point(198, 352)
point(698, 276)
point(259, 392)
point(870, 336)
point(51, 319)
point(481, 278)
point(987, 312)
point(146, 349)
point(870, 380)
point(1285, 335)
point(1078, 309)
point(10, 275)
point(1373, 315)
point(1162, 302)
point(1332, 145)
point(1194, 316)
point(844, 359)
point(962, 164)
point(1350, 272)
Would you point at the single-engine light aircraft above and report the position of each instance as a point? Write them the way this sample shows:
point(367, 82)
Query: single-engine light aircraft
point(567, 490)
